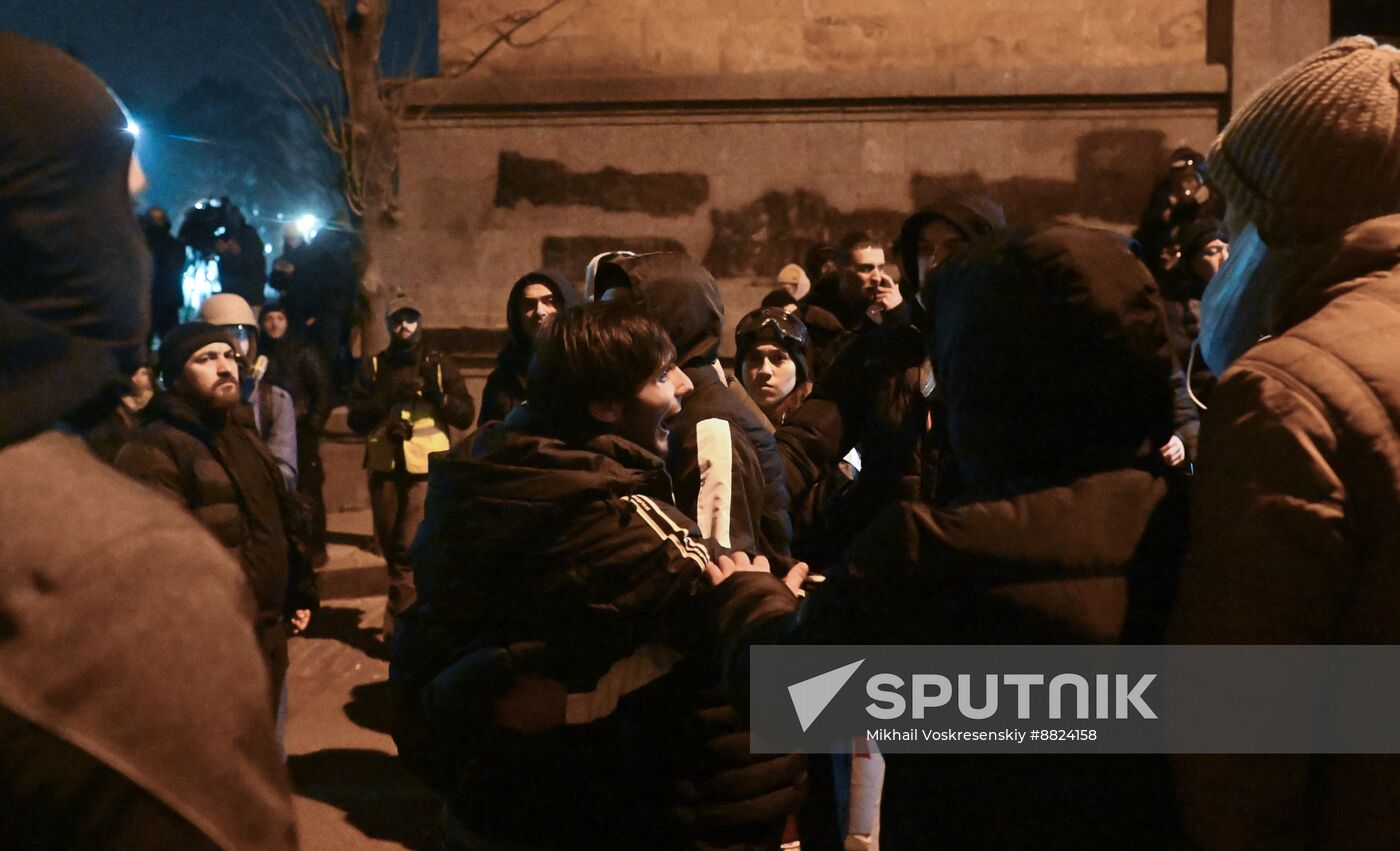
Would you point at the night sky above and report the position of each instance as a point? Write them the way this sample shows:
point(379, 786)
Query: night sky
point(151, 53)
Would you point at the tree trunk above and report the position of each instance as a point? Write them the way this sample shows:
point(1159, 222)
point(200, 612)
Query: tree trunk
point(372, 140)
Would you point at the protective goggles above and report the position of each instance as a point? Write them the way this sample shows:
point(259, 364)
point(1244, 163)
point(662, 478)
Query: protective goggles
point(773, 323)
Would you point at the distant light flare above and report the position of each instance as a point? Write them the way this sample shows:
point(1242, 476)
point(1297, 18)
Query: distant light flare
point(308, 225)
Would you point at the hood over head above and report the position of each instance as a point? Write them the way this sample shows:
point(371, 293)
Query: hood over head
point(1053, 358)
point(74, 268)
point(678, 293)
point(973, 213)
point(565, 296)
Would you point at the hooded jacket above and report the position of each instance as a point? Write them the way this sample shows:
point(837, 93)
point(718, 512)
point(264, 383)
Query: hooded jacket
point(974, 214)
point(132, 699)
point(726, 467)
point(1296, 535)
point(570, 559)
point(505, 386)
point(1078, 542)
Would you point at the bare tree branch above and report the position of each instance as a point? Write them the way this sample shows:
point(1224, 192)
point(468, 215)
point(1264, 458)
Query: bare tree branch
point(505, 28)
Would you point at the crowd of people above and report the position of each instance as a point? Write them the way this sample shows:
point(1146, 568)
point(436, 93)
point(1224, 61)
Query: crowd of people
point(977, 434)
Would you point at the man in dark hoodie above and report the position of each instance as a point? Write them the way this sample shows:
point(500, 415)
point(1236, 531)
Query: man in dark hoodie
point(532, 301)
point(133, 704)
point(404, 400)
point(725, 464)
point(1055, 364)
point(295, 367)
point(561, 589)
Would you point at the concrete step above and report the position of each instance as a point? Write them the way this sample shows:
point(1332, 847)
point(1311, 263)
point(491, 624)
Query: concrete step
point(354, 569)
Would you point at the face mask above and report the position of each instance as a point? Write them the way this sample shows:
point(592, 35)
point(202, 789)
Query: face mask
point(1235, 305)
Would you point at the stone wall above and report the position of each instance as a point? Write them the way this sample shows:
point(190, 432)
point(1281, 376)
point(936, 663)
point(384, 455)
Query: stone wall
point(629, 38)
point(742, 133)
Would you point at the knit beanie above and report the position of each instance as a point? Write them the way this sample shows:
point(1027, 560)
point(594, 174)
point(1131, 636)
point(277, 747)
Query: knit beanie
point(182, 342)
point(1316, 150)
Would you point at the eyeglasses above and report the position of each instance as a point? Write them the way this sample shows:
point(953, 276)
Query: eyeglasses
point(776, 323)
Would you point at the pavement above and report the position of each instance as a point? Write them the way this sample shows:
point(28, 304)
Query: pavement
point(351, 791)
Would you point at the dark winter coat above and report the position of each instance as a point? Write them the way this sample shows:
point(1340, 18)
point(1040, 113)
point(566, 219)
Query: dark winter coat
point(505, 386)
point(130, 670)
point(410, 378)
point(718, 450)
point(321, 282)
point(298, 369)
point(167, 277)
point(131, 690)
point(1296, 536)
point(245, 272)
point(1055, 369)
point(219, 470)
point(566, 562)
point(1089, 562)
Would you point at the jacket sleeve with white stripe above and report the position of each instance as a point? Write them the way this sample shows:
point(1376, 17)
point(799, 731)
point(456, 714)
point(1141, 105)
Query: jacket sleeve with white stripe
point(716, 471)
point(636, 576)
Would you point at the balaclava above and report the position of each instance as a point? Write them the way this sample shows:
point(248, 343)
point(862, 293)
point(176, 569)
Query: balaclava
point(74, 268)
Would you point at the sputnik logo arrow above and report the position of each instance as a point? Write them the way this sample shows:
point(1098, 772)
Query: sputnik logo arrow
point(811, 696)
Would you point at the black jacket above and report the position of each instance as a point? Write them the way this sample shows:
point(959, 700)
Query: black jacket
point(568, 562)
point(168, 259)
point(244, 272)
point(223, 474)
point(401, 373)
point(132, 696)
point(1094, 561)
point(716, 435)
point(505, 386)
point(296, 368)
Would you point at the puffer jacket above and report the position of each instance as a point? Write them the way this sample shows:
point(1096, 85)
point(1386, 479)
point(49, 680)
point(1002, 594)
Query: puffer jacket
point(1296, 536)
point(565, 562)
point(228, 480)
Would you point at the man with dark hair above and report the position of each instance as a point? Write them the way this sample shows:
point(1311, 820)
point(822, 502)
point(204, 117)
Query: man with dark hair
point(562, 596)
point(860, 294)
point(404, 400)
point(726, 467)
point(133, 705)
point(199, 446)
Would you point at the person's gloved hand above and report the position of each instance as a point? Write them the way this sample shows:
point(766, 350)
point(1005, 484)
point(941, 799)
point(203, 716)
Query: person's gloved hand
point(408, 391)
point(399, 429)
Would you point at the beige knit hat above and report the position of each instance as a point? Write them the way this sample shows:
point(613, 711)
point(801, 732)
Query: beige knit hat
point(1318, 149)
